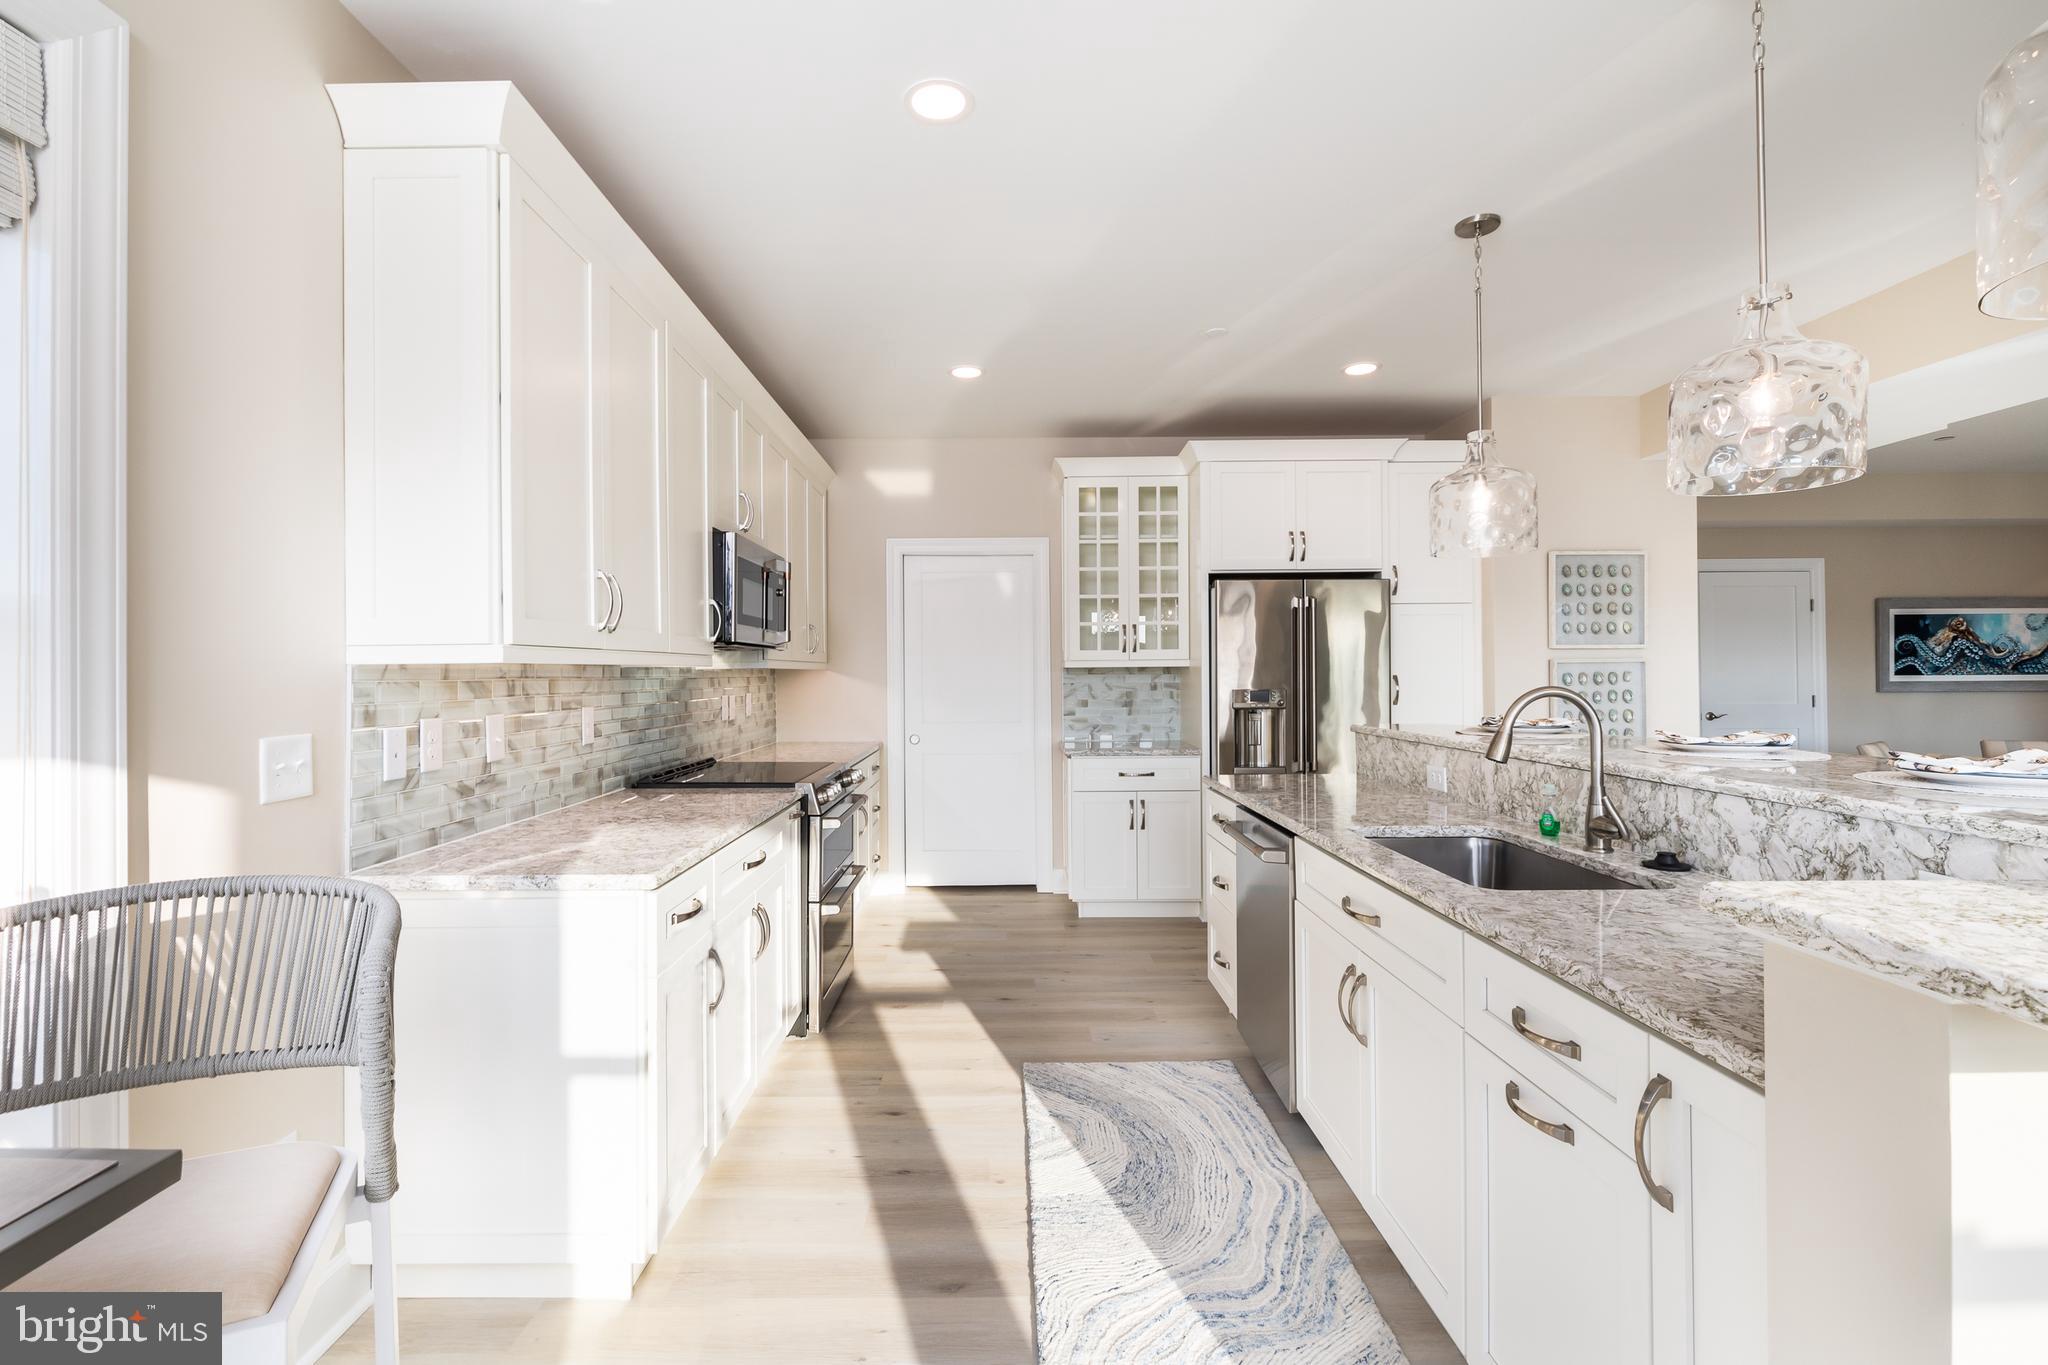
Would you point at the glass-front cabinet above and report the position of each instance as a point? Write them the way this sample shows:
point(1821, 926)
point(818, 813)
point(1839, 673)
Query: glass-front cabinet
point(1126, 542)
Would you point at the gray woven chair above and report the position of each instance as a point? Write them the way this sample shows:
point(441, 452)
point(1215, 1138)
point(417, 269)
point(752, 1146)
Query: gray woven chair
point(145, 985)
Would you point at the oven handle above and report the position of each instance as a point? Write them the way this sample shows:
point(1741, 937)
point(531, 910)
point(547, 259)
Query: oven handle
point(834, 901)
point(857, 801)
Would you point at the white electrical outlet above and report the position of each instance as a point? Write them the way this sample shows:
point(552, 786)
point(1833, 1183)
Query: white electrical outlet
point(494, 739)
point(284, 768)
point(589, 725)
point(1439, 778)
point(749, 699)
point(430, 744)
point(394, 752)
point(725, 706)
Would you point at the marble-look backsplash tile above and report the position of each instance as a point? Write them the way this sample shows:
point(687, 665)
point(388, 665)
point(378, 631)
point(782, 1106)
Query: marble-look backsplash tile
point(1134, 703)
point(1745, 838)
point(647, 719)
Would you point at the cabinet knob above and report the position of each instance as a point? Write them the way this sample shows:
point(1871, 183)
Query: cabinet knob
point(914, 739)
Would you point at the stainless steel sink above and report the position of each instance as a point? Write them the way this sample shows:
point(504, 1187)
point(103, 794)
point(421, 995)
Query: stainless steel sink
point(1497, 865)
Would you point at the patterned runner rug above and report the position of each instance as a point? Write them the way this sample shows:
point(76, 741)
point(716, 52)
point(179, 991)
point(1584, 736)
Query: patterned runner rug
point(1168, 1224)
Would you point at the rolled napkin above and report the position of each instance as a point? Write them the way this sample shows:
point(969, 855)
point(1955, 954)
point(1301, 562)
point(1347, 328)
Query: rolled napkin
point(2018, 763)
point(1739, 739)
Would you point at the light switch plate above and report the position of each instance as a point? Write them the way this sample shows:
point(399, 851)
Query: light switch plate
point(430, 744)
point(394, 752)
point(284, 768)
point(494, 739)
point(589, 724)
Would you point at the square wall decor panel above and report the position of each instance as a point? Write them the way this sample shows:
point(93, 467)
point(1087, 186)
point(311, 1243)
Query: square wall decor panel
point(1614, 686)
point(1597, 599)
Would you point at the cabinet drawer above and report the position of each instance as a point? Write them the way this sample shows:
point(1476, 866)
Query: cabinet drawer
point(1221, 949)
point(752, 858)
point(682, 908)
point(1594, 1061)
point(1134, 772)
point(1425, 950)
point(1215, 803)
point(1219, 869)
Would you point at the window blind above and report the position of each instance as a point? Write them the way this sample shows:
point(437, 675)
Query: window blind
point(21, 121)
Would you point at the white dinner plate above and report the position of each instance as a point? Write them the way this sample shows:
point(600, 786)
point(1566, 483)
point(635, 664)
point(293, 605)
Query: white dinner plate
point(1980, 781)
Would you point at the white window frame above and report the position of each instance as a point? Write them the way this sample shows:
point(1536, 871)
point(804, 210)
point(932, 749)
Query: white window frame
point(71, 567)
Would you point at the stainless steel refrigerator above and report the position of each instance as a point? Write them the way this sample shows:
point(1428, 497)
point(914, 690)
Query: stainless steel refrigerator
point(1294, 663)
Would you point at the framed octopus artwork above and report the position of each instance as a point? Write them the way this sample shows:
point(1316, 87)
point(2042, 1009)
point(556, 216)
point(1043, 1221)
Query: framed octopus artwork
point(1962, 644)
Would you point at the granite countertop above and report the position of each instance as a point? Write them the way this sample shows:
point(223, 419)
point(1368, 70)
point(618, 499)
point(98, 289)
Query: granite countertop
point(1984, 942)
point(1831, 786)
point(627, 841)
point(1128, 748)
point(1655, 955)
point(819, 751)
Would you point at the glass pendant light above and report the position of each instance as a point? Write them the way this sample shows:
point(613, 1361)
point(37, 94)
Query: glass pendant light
point(2012, 184)
point(1776, 412)
point(1482, 507)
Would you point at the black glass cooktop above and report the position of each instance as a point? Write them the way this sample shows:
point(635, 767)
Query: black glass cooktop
point(713, 772)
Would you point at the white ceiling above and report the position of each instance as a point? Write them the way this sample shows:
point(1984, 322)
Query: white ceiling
point(1135, 172)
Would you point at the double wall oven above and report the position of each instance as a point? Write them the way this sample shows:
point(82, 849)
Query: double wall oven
point(837, 802)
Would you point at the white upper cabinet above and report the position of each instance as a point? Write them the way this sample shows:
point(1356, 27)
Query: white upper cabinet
point(1340, 515)
point(632, 524)
point(1127, 568)
point(1435, 649)
point(541, 427)
point(1314, 516)
point(1415, 575)
point(806, 554)
point(816, 559)
point(689, 540)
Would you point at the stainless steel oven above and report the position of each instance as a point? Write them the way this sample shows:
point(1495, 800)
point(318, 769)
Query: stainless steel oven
point(833, 872)
point(749, 593)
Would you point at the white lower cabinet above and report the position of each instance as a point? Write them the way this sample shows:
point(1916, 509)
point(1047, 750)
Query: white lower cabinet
point(587, 1052)
point(1557, 1231)
point(1219, 911)
point(1134, 834)
point(1598, 1199)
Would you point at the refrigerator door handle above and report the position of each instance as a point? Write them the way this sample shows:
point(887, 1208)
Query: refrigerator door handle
point(1308, 688)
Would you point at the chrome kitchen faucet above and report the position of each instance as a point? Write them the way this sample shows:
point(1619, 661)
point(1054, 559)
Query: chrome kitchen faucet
point(1604, 825)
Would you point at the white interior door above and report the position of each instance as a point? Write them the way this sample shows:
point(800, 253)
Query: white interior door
point(972, 654)
point(1759, 664)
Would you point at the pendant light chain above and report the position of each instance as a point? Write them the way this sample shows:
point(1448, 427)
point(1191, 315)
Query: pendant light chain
point(1479, 330)
point(1763, 218)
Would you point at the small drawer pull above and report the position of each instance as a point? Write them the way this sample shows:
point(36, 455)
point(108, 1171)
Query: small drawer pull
point(754, 861)
point(1219, 883)
point(676, 917)
point(1365, 917)
point(1563, 1047)
point(1137, 774)
point(1217, 958)
point(1561, 1131)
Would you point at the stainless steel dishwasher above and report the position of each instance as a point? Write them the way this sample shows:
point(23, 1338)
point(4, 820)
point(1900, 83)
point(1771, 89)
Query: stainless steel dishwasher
point(1265, 946)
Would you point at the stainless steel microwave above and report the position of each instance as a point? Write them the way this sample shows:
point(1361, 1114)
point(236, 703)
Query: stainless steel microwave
point(749, 593)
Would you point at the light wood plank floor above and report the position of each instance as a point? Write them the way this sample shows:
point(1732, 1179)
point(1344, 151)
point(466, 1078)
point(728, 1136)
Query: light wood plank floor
point(870, 1206)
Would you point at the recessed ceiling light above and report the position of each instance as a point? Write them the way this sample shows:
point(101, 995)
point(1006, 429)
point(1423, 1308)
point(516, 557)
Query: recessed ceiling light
point(965, 372)
point(1361, 367)
point(1214, 332)
point(939, 101)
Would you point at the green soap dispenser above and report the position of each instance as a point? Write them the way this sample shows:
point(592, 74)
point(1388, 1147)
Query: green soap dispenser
point(1547, 824)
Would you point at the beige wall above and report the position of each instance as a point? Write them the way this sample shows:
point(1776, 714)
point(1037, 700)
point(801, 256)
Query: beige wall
point(1593, 492)
point(898, 489)
point(234, 451)
point(1865, 563)
point(1892, 499)
point(1932, 316)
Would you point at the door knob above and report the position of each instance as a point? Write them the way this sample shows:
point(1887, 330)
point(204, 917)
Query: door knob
point(1717, 715)
point(915, 740)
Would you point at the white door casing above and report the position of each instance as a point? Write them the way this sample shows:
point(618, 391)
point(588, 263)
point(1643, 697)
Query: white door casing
point(1763, 662)
point(970, 702)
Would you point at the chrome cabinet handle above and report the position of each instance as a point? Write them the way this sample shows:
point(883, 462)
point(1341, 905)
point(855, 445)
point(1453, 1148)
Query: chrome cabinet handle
point(1561, 1131)
point(1217, 958)
point(618, 603)
point(1343, 981)
point(676, 917)
point(1144, 813)
point(1394, 581)
point(875, 770)
point(1351, 1011)
point(1219, 883)
point(746, 510)
point(1304, 547)
point(1659, 1088)
point(717, 621)
point(1292, 547)
point(1131, 805)
point(611, 596)
point(719, 998)
point(1137, 774)
point(1365, 917)
point(1717, 715)
point(767, 929)
point(1397, 689)
point(750, 864)
point(1563, 1047)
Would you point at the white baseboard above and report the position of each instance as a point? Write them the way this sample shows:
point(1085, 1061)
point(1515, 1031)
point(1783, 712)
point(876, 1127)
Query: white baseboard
point(1139, 909)
point(1056, 884)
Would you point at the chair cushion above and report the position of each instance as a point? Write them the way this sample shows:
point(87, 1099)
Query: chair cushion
point(233, 1223)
